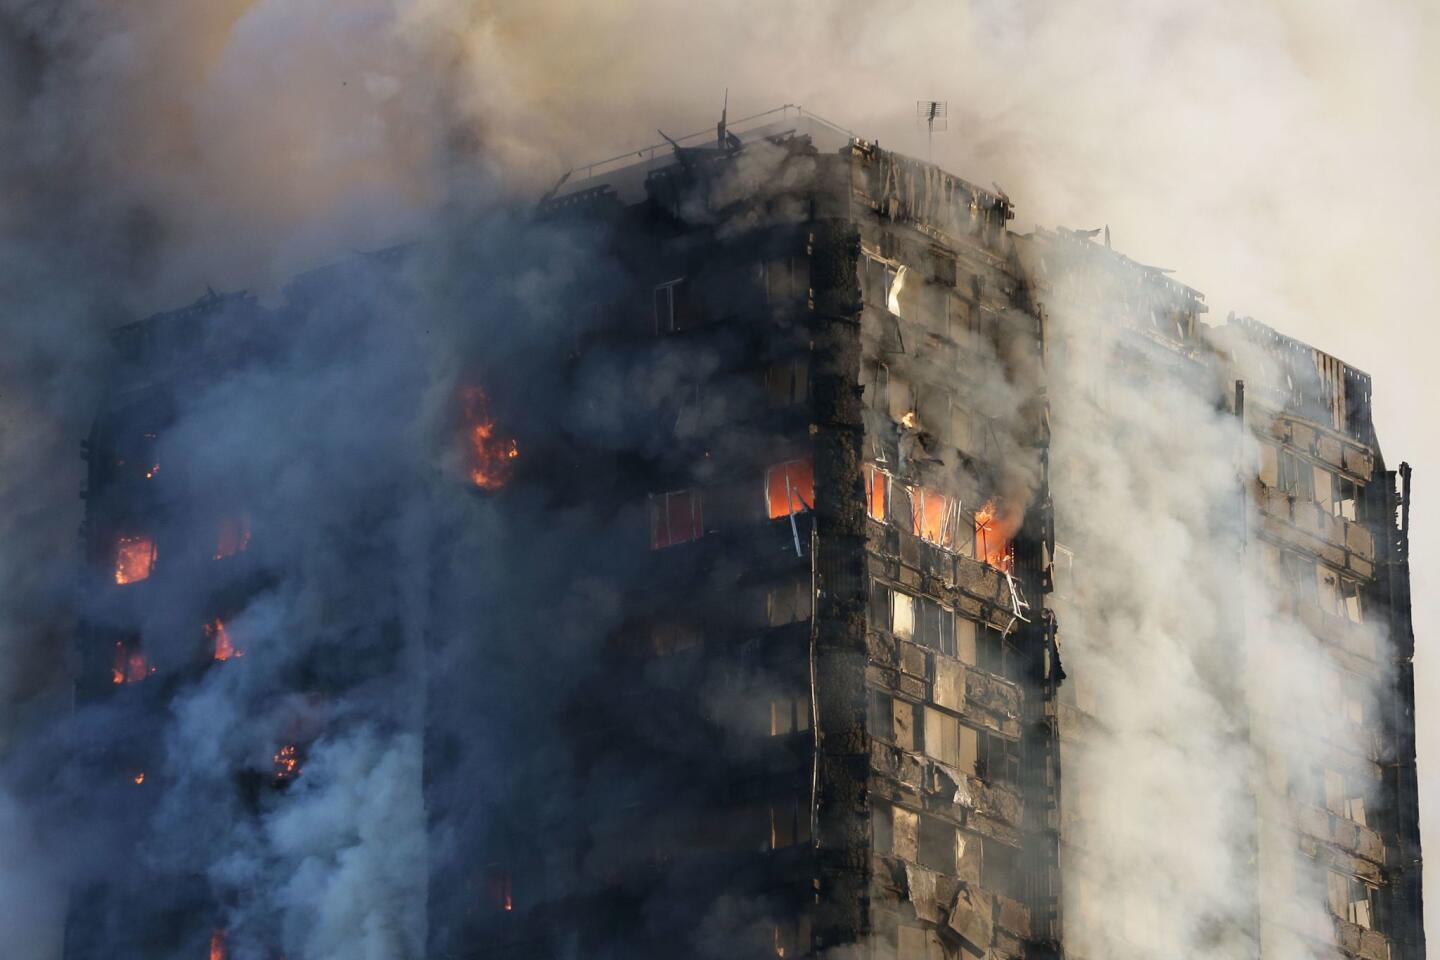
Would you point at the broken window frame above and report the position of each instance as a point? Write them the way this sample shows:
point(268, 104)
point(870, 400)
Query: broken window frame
point(877, 493)
point(1347, 499)
point(663, 306)
point(1297, 475)
point(881, 274)
point(939, 528)
point(879, 399)
point(792, 490)
point(1351, 899)
point(662, 515)
point(1351, 599)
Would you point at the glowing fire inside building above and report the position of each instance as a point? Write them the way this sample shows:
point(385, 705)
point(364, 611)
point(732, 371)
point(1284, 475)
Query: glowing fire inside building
point(491, 455)
point(224, 648)
point(134, 559)
point(763, 653)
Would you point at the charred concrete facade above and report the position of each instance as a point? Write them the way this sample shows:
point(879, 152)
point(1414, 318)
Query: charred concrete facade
point(827, 713)
point(931, 711)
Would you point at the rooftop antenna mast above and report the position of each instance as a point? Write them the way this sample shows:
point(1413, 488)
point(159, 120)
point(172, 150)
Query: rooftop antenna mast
point(936, 114)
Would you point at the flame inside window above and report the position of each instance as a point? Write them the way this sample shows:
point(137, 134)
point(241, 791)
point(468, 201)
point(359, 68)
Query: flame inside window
point(491, 455)
point(130, 664)
point(877, 487)
point(134, 559)
point(233, 538)
point(287, 763)
point(222, 646)
point(933, 516)
point(789, 488)
point(995, 527)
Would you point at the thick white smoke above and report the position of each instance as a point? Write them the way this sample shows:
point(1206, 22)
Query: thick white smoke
point(1198, 701)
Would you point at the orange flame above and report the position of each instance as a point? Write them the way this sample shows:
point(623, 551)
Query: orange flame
point(217, 946)
point(287, 763)
point(134, 559)
point(224, 648)
point(491, 456)
point(995, 526)
point(130, 665)
point(234, 537)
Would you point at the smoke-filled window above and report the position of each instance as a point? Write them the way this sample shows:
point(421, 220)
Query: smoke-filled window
point(788, 602)
point(1344, 796)
point(671, 306)
point(789, 822)
point(787, 382)
point(669, 638)
point(1350, 898)
point(942, 266)
point(789, 714)
point(1000, 868)
point(876, 280)
point(936, 844)
point(900, 398)
point(792, 937)
point(233, 536)
point(675, 517)
point(789, 488)
point(787, 279)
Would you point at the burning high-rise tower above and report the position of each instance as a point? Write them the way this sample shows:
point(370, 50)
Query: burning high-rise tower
point(857, 577)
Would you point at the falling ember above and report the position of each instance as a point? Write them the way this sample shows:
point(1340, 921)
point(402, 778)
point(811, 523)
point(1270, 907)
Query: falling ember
point(224, 648)
point(995, 528)
point(491, 455)
point(134, 559)
point(217, 945)
point(287, 763)
point(139, 778)
point(234, 537)
point(151, 473)
point(503, 891)
point(130, 666)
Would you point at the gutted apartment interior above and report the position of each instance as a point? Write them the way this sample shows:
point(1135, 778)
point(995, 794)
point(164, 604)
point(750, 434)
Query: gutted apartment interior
point(829, 708)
